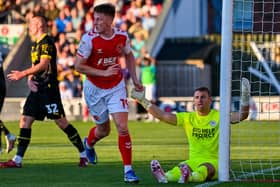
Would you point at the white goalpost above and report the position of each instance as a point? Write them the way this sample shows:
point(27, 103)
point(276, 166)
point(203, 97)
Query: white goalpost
point(250, 47)
point(225, 88)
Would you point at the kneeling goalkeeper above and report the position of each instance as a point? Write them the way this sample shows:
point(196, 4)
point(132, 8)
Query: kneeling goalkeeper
point(202, 129)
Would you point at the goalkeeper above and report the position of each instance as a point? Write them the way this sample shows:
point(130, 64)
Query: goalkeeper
point(202, 130)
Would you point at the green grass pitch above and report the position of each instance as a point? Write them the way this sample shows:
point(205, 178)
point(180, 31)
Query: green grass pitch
point(52, 161)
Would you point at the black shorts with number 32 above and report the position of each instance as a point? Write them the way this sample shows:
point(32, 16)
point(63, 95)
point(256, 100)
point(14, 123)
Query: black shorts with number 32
point(46, 102)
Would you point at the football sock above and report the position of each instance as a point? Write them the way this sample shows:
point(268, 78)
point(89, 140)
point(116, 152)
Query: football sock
point(199, 175)
point(23, 141)
point(83, 154)
point(92, 138)
point(125, 148)
point(17, 159)
point(74, 137)
point(127, 168)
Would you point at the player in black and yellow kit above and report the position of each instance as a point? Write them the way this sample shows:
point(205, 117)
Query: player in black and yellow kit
point(10, 138)
point(44, 99)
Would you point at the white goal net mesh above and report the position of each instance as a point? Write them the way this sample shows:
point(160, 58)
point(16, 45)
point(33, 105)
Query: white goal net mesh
point(255, 143)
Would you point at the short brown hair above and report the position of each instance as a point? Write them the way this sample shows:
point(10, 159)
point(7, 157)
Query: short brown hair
point(107, 9)
point(203, 89)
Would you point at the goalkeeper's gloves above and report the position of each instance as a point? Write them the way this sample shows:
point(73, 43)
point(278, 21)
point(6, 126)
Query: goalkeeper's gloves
point(140, 97)
point(245, 92)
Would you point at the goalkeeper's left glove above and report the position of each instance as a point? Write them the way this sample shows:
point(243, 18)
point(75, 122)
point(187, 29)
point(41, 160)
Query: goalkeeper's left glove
point(140, 97)
point(245, 92)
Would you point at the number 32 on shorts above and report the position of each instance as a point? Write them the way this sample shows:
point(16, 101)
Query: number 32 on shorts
point(52, 108)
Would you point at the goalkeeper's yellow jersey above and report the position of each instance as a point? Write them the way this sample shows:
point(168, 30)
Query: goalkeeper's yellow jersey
point(202, 133)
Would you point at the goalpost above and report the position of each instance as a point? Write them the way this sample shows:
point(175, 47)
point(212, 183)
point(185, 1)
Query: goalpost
point(250, 48)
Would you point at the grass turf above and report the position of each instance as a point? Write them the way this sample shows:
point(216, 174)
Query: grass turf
point(52, 161)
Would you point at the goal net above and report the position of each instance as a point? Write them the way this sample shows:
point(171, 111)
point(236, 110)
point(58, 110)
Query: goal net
point(255, 143)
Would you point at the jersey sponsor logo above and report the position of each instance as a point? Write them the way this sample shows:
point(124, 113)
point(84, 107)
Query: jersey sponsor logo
point(202, 133)
point(107, 61)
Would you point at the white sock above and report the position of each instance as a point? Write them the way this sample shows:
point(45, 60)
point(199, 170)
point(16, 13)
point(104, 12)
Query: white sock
point(83, 154)
point(127, 168)
point(17, 159)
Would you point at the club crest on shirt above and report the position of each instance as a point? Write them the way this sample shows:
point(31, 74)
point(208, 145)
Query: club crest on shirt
point(213, 123)
point(120, 48)
point(99, 51)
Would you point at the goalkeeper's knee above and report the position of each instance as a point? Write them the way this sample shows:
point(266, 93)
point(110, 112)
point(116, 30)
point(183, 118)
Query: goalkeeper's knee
point(199, 175)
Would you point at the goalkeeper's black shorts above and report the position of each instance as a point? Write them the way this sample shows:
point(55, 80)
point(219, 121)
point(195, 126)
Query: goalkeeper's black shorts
point(45, 102)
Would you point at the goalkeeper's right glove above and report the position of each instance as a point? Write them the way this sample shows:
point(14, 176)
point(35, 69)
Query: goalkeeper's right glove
point(140, 97)
point(245, 92)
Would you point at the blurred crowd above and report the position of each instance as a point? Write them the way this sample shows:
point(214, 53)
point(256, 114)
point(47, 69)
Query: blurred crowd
point(69, 19)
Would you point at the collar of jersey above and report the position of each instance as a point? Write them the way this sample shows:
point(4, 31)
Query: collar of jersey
point(107, 38)
point(43, 35)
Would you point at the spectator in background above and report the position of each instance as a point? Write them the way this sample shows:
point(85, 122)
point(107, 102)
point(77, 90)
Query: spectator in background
point(38, 10)
point(52, 12)
point(61, 22)
point(80, 8)
point(28, 15)
point(71, 3)
point(76, 19)
point(139, 3)
point(137, 27)
point(137, 44)
point(87, 23)
point(148, 79)
point(65, 92)
point(62, 42)
point(153, 9)
point(5, 7)
point(118, 21)
point(134, 8)
point(130, 19)
point(54, 33)
point(148, 21)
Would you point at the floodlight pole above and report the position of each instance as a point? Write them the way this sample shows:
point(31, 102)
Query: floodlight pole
point(225, 90)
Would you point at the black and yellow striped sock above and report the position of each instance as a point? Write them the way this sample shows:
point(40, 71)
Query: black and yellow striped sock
point(23, 141)
point(74, 137)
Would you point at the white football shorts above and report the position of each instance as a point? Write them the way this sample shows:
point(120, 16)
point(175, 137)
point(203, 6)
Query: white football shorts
point(102, 102)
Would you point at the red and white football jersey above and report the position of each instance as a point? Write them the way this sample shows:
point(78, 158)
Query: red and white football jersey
point(103, 52)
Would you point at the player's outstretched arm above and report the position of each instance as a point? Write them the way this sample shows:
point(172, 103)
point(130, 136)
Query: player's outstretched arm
point(153, 109)
point(244, 102)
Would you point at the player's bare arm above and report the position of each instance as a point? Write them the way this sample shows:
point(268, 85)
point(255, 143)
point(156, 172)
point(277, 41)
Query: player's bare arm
point(130, 64)
point(82, 67)
point(153, 109)
point(163, 116)
point(16, 75)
